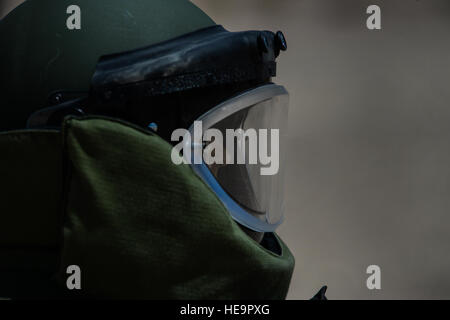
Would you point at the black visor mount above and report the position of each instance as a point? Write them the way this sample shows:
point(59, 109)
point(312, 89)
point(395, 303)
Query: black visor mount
point(209, 57)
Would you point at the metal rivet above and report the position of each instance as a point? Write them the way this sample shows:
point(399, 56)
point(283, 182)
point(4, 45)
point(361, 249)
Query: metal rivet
point(79, 111)
point(153, 126)
point(56, 99)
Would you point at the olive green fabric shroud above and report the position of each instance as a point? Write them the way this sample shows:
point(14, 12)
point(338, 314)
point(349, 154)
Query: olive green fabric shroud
point(30, 212)
point(136, 224)
point(30, 188)
point(141, 227)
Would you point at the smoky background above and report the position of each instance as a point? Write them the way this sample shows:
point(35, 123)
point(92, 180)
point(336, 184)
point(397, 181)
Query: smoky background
point(368, 176)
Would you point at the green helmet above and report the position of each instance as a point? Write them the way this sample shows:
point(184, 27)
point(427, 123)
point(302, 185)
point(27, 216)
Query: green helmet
point(85, 116)
point(39, 55)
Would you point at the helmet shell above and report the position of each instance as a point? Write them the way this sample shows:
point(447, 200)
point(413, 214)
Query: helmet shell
point(39, 55)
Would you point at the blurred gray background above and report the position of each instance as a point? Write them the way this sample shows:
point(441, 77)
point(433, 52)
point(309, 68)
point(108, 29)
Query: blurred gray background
point(369, 158)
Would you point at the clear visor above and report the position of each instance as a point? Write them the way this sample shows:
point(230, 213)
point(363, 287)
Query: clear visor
point(240, 144)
